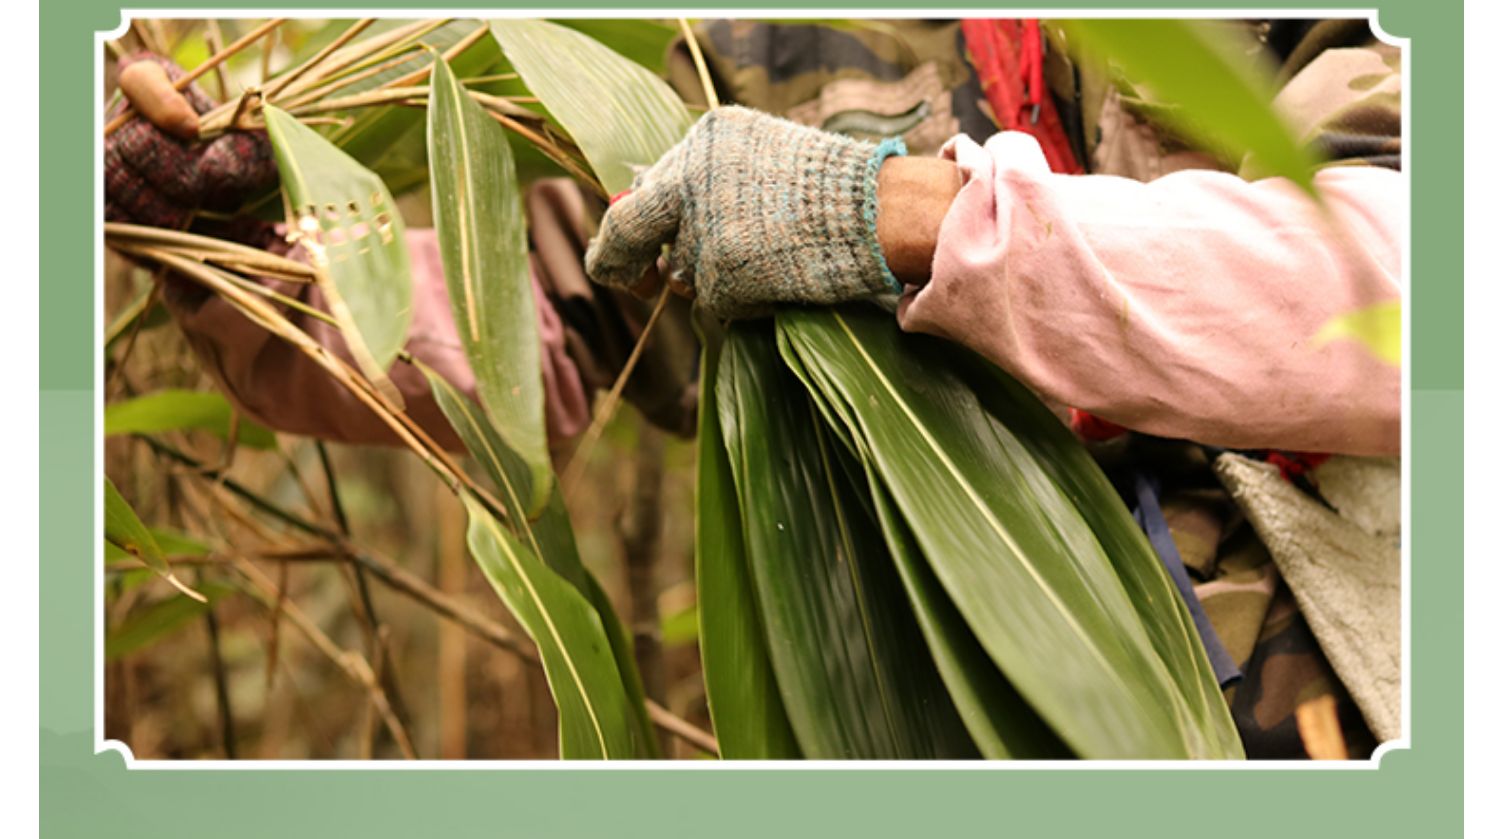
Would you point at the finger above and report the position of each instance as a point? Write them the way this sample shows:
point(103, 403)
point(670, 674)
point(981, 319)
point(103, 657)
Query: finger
point(649, 285)
point(151, 92)
point(633, 233)
point(679, 273)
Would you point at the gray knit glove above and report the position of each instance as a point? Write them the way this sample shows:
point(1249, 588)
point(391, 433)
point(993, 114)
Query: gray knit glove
point(761, 211)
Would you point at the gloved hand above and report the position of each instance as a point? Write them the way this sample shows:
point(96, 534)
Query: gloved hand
point(759, 210)
point(155, 178)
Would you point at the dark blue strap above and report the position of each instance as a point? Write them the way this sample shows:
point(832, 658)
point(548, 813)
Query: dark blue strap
point(1149, 516)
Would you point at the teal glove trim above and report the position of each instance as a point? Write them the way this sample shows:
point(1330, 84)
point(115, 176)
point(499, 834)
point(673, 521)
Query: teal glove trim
point(889, 147)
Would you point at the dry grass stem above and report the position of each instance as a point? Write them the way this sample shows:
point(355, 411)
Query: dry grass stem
point(611, 402)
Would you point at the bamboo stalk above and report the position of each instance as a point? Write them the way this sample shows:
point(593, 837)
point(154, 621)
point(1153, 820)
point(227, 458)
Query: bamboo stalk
point(242, 254)
point(213, 61)
point(704, 78)
point(215, 39)
point(350, 662)
point(449, 54)
point(280, 84)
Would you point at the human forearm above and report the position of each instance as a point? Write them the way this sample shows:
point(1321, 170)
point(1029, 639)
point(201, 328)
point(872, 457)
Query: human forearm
point(914, 195)
point(1187, 307)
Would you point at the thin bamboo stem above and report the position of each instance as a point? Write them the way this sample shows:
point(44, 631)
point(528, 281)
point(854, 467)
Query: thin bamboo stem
point(350, 662)
point(611, 402)
point(408, 584)
point(704, 78)
point(280, 84)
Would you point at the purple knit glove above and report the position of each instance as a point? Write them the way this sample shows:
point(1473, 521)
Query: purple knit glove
point(153, 178)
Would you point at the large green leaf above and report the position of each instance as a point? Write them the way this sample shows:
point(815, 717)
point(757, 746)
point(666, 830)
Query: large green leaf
point(743, 701)
point(353, 233)
point(1166, 617)
point(177, 410)
point(1014, 553)
point(124, 529)
point(850, 660)
point(1209, 90)
point(549, 536)
point(621, 115)
point(595, 718)
point(476, 206)
point(997, 717)
point(643, 41)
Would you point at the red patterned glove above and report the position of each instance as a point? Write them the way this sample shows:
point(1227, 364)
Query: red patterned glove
point(154, 178)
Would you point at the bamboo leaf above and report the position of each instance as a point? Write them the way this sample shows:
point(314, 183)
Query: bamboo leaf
point(1210, 91)
point(177, 410)
point(1377, 328)
point(743, 699)
point(476, 206)
point(1016, 556)
point(123, 529)
point(643, 41)
point(1152, 593)
point(345, 218)
point(549, 536)
point(170, 542)
point(621, 115)
point(996, 716)
point(853, 669)
point(157, 621)
point(594, 713)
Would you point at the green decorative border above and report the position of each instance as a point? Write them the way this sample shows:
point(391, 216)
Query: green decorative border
point(1412, 791)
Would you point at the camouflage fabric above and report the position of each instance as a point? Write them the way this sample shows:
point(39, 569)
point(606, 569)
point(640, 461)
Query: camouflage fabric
point(868, 79)
point(1285, 673)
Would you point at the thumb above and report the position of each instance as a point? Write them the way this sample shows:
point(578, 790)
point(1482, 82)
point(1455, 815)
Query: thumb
point(633, 231)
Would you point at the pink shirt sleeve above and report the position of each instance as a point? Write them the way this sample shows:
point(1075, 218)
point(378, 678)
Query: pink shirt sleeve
point(1185, 307)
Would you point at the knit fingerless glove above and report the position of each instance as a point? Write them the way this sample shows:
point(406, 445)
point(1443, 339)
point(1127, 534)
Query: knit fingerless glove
point(761, 211)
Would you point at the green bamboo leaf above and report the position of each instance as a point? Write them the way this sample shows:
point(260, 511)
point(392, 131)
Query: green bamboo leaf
point(621, 115)
point(476, 207)
point(549, 536)
point(124, 529)
point(996, 716)
point(643, 41)
point(595, 720)
point(1211, 92)
point(1166, 617)
point(1016, 556)
point(743, 699)
point(854, 671)
point(178, 410)
point(170, 542)
point(158, 620)
point(1377, 328)
point(347, 221)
